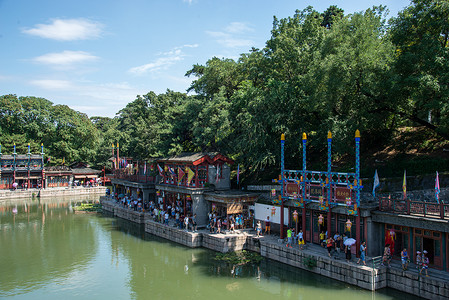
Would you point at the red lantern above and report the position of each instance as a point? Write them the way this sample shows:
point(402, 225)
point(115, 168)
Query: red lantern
point(273, 211)
point(295, 216)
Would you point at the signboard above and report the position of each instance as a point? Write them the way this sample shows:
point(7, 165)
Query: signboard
point(315, 191)
point(234, 208)
point(291, 188)
point(342, 193)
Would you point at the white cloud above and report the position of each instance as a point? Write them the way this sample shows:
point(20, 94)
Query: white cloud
point(230, 41)
point(238, 27)
point(52, 84)
point(65, 58)
point(67, 30)
point(188, 1)
point(162, 63)
point(234, 36)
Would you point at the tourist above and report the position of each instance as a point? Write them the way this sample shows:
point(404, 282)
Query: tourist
point(258, 228)
point(322, 239)
point(387, 256)
point(232, 225)
point(267, 225)
point(219, 225)
point(404, 259)
point(418, 260)
point(348, 253)
point(177, 220)
point(301, 240)
point(425, 263)
point(211, 225)
point(186, 222)
point(338, 242)
point(241, 221)
point(362, 253)
point(166, 216)
point(289, 238)
point(329, 245)
point(237, 221)
point(194, 223)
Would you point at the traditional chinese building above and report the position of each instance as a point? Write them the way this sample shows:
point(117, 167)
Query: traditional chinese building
point(186, 177)
point(415, 224)
point(21, 170)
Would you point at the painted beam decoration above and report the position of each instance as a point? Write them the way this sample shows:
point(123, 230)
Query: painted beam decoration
point(327, 188)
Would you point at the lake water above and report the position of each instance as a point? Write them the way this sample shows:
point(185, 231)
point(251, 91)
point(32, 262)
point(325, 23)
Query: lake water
point(49, 252)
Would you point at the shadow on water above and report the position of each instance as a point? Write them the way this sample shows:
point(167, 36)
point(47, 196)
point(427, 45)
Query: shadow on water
point(266, 269)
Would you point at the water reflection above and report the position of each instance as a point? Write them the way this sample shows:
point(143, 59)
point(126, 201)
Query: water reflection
point(41, 240)
point(52, 253)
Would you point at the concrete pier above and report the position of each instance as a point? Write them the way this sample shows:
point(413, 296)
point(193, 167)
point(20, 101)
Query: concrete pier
point(434, 287)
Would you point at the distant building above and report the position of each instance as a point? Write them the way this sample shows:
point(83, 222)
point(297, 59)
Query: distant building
point(19, 171)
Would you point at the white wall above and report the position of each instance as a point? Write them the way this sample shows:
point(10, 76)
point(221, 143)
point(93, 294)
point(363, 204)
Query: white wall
point(261, 212)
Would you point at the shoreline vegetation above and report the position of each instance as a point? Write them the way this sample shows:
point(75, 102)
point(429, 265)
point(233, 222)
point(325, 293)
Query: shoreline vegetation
point(239, 258)
point(88, 208)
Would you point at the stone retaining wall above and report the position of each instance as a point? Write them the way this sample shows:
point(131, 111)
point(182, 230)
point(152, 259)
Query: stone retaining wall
point(189, 239)
point(52, 192)
point(224, 244)
point(127, 214)
point(364, 277)
point(421, 286)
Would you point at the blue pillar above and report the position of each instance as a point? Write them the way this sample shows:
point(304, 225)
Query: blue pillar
point(357, 168)
point(282, 186)
point(329, 166)
point(304, 167)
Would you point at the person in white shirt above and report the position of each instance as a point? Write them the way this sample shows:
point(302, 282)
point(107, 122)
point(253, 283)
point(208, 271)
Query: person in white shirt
point(186, 222)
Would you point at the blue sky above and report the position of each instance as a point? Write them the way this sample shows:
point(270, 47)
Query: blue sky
point(97, 55)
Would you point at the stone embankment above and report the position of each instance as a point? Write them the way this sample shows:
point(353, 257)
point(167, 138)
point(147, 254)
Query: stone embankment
point(51, 192)
point(313, 259)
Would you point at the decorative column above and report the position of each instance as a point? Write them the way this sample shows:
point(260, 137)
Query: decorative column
point(42, 166)
point(28, 167)
point(303, 183)
point(358, 186)
point(328, 181)
point(118, 157)
point(282, 186)
point(14, 165)
point(113, 156)
point(357, 168)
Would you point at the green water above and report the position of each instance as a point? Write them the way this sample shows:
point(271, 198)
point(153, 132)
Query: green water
point(49, 252)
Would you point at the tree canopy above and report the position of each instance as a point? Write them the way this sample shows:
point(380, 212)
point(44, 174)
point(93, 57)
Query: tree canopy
point(317, 72)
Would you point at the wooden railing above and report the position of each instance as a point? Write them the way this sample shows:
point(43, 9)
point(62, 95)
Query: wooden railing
point(134, 177)
point(414, 207)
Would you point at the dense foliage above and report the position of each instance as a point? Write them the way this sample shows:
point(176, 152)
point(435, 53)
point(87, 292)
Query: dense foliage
point(317, 72)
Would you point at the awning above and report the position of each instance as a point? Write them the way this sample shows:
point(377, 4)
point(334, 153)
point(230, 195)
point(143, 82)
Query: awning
point(86, 176)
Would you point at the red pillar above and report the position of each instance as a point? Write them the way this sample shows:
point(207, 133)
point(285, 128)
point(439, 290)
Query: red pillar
point(329, 221)
point(304, 222)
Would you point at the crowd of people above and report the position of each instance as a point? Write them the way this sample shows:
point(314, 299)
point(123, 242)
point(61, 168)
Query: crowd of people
point(231, 222)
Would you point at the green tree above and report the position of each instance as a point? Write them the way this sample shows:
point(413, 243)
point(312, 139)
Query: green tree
point(421, 83)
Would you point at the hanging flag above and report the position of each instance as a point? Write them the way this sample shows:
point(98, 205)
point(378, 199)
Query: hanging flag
point(218, 173)
point(238, 173)
point(161, 171)
point(172, 171)
point(404, 186)
point(376, 183)
point(181, 174)
point(437, 188)
point(145, 169)
point(190, 175)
